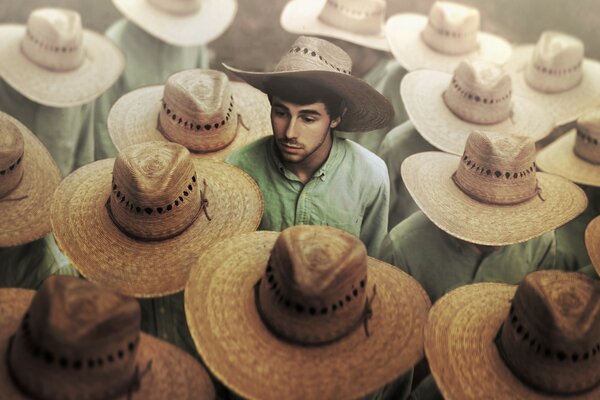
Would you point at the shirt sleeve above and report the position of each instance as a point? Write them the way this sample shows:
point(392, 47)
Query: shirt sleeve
point(375, 221)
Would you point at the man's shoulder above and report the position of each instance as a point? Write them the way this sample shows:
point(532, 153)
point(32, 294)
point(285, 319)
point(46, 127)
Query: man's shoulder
point(370, 164)
point(416, 229)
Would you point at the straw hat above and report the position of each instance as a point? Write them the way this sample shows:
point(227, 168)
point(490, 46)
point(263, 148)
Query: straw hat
point(576, 155)
point(297, 304)
point(180, 22)
point(592, 242)
point(356, 21)
point(198, 108)
point(491, 195)
point(135, 224)
point(554, 74)
point(325, 64)
point(53, 61)
point(441, 40)
point(28, 178)
point(538, 342)
point(72, 339)
point(446, 108)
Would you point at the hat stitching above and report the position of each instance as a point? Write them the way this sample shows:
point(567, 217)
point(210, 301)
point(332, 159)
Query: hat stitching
point(353, 11)
point(314, 53)
point(478, 98)
point(587, 138)
point(12, 167)
point(50, 47)
point(198, 126)
point(488, 171)
point(447, 32)
point(564, 71)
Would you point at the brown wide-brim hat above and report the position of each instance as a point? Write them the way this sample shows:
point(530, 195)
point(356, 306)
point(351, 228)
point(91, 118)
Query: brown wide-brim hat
point(559, 158)
point(404, 35)
point(367, 109)
point(174, 374)
point(460, 347)
point(26, 210)
point(565, 106)
point(421, 93)
point(101, 67)
point(239, 349)
point(592, 242)
point(428, 179)
point(105, 255)
point(133, 118)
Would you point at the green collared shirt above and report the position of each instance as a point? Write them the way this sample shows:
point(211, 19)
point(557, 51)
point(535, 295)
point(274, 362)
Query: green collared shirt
point(350, 191)
point(150, 61)
point(384, 77)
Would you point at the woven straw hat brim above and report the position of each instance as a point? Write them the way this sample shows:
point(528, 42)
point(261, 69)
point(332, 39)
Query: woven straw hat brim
point(559, 158)
point(102, 66)
point(459, 343)
point(302, 17)
point(174, 374)
point(421, 93)
point(26, 220)
point(367, 108)
point(204, 26)
point(592, 242)
point(404, 35)
point(566, 106)
point(133, 118)
point(247, 358)
point(105, 255)
point(428, 178)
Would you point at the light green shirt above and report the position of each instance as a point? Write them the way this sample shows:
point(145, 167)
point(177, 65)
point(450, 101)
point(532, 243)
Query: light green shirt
point(399, 143)
point(149, 61)
point(384, 77)
point(67, 133)
point(350, 191)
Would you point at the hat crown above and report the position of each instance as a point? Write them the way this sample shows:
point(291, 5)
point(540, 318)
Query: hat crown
point(556, 63)
point(198, 110)
point(311, 53)
point(452, 28)
point(177, 7)
point(54, 39)
point(480, 92)
point(313, 290)
point(76, 340)
point(588, 136)
point(12, 149)
point(551, 337)
point(359, 16)
point(497, 168)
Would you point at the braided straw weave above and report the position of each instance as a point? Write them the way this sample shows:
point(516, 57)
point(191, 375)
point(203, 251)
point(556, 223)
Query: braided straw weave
point(592, 242)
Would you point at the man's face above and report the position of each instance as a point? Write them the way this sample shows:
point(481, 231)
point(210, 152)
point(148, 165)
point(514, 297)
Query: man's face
point(301, 130)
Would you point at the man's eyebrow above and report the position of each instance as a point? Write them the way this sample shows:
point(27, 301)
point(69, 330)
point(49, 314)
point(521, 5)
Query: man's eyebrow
point(310, 112)
point(278, 104)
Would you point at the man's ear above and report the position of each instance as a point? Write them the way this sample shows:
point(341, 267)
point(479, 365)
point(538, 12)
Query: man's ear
point(336, 121)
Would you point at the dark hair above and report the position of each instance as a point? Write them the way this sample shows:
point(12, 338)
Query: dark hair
point(302, 91)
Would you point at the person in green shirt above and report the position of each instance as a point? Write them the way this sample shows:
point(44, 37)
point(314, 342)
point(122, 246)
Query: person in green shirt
point(306, 173)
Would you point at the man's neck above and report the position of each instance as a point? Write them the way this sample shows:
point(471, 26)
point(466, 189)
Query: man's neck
point(306, 168)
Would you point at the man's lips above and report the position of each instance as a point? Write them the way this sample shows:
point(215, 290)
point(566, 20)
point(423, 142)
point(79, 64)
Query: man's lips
point(290, 148)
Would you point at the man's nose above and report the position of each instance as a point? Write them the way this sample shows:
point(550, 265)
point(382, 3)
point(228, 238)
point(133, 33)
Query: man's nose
point(292, 129)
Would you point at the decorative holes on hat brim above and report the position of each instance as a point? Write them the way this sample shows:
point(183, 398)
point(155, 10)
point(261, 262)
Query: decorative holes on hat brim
point(49, 47)
point(485, 170)
point(354, 12)
point(12, 167)
point(313, 53)
point(452, 34)
point(478, 99)
point(555, 71)
point(197, 125)
point(587, 138)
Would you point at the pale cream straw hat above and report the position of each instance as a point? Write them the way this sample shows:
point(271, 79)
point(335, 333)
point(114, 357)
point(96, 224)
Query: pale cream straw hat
point(554, 74)
point(28, 178)
point(74, 340)
point(592, 242)
point(540, 340)
point(479, 95)
point(136, 224)
point(576, 154)
point(53, 61)
point(492, 195)
point(198, 108)
point(180, 22)
point(303, 314)
point(442, 39)
point(356, 21)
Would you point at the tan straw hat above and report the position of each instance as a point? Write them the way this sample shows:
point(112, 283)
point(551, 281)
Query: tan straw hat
point(492, 195)
point(356, 21)
point(446, 108)
point(592, 242)
point(198, 108)
point(554, 74)
point(539, 342)
point(303, 314)
point(323, 63)
point(28, 178)
point(576, 154)
point(441, 40)
point(55, 62)
point(74, 340)
point(136, 224)
point(180, 22)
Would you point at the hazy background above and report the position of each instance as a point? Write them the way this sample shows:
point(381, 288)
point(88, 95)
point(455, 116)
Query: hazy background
point(256, 40)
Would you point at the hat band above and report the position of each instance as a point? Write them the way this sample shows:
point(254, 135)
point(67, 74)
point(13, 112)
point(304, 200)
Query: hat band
point(12, 166)
point(451, 33)
point(363, 21)
point(476, 98)
point(52, 56)
point(9, 182)
point(586, 147)
point(355, 12)
point(306, 52)
point(51, 47)
point(176, 118)
point(557, 71)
